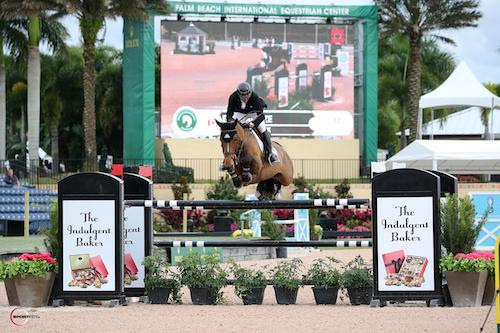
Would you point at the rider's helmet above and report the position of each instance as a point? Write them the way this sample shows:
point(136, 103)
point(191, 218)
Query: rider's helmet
point(244, 89)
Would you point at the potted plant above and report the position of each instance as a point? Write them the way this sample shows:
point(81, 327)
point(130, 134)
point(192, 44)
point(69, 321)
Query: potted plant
point(204, 277)
point(286, 280)
point(317, 232)
point(273, 231)
point(33, 276)
point(249, 284)
point(459, 233)
point(157, 282)
point(357, 279)
point(466, 275)
point(325, 279)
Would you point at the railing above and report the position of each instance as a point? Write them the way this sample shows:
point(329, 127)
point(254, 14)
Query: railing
point(198, 170)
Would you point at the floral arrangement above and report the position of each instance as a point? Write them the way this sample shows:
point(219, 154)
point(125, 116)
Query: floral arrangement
point(247, 233)
point(318, 230)
point(475, 261)
point(37, 264)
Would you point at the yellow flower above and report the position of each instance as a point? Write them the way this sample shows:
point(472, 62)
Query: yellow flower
point(247, 233)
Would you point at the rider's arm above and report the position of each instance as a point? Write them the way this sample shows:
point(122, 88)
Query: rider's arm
point(230, 109)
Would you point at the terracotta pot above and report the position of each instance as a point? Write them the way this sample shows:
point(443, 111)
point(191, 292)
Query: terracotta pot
point(34, 291)
point(10, 288)
point(466, 288)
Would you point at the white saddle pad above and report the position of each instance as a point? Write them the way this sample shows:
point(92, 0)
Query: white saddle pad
point(261, 145)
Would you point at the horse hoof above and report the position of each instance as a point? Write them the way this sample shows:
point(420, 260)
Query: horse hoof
point(237, 182)
point(246, 178)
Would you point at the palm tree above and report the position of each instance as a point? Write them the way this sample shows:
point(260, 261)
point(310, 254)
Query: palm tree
point(53, 107)
point(393, 74)
point(418, 18)
point(15, 41)
point(91, 15)
point(41, 15)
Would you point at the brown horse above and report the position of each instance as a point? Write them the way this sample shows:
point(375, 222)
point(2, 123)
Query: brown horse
point(246, 163)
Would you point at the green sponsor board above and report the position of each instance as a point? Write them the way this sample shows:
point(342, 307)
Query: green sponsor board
point(186, 7)
point(180, 252)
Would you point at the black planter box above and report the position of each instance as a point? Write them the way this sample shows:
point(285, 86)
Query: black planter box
point(159, 295)
point(359, 296)
point(325, 295)
point(201, 296)
point(256, 296)
point(285, 295)
point(222, 223)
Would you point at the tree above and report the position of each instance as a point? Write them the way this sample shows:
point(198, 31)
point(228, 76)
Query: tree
point(52, 108)
point(41, 25)
point(91, 15)
point(394, 54)
point(416, 19)
point(15, 41)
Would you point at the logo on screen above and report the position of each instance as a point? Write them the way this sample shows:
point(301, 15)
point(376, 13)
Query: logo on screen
point(185, 119)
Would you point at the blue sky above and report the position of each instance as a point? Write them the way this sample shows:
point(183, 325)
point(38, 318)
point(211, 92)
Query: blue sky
point(478, 47)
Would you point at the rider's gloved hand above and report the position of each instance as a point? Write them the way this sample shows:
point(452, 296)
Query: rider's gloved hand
point(249, 122)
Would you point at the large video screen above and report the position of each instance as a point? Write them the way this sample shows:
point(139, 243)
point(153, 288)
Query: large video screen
point(304, 73)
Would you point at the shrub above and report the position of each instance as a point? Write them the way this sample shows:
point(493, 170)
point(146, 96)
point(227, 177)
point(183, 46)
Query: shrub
point(323, 273)
point(459, 230)
point(223, 189)
point(357, 274)
point(269, 228)
point(181, 189)
point(287, 274)
point(159, 276)
point(343, 189)
point(245, 279)
point(203, 271)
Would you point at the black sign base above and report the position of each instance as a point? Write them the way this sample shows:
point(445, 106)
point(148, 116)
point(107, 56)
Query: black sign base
point(68, 300)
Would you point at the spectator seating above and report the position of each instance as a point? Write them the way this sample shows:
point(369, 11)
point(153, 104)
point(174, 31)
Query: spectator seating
point(12, 208)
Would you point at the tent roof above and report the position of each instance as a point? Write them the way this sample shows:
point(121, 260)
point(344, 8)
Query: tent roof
point(453, 156)
point(461, 88)
point(191, 29)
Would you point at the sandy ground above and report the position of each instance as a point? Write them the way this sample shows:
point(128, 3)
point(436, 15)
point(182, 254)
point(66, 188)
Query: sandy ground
point(305, 316)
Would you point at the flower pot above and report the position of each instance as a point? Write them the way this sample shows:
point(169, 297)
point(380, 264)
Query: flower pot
point(489, 290)
point(33, 291)
point(10, 288)
point(285, 295)
point(281, 252)
point(359, 296)
point(159, 295)
point(466, 288)
point(325, 295)
point(201, 296)
point(255, 297)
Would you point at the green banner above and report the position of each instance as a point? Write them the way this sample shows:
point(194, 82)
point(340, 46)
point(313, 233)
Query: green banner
point(177, 253)
point(138, 92)
point(186, 7)
point(370, 86)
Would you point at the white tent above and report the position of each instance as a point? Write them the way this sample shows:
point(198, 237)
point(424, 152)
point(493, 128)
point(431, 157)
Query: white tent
point(461, 88)
point(452, 156)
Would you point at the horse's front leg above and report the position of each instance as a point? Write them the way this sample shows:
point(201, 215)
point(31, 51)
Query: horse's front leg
point(234, 177)
point(246, 164)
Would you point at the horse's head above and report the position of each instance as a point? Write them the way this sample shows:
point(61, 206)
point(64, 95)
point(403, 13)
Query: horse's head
point(231, 143)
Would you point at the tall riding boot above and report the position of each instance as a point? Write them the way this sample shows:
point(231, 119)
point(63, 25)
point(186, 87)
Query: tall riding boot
point(268, 148)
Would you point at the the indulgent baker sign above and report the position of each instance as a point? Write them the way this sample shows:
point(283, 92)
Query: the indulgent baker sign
point(89, 242)
point(405, 244)
point(134, 244)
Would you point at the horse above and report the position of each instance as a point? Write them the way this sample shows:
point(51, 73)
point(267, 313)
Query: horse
point(246, 163)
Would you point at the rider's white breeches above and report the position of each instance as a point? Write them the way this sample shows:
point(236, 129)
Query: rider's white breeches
point(242, 117)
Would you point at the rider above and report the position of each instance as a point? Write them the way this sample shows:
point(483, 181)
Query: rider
point(245, 105)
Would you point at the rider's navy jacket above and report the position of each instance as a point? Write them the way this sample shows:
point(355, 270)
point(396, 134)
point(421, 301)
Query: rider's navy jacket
point(254, 104)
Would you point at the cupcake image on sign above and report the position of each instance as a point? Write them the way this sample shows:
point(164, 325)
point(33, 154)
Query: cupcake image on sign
point(130, 271)
point(87, 271)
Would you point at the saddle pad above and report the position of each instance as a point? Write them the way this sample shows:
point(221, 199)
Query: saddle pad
point(261, 145)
